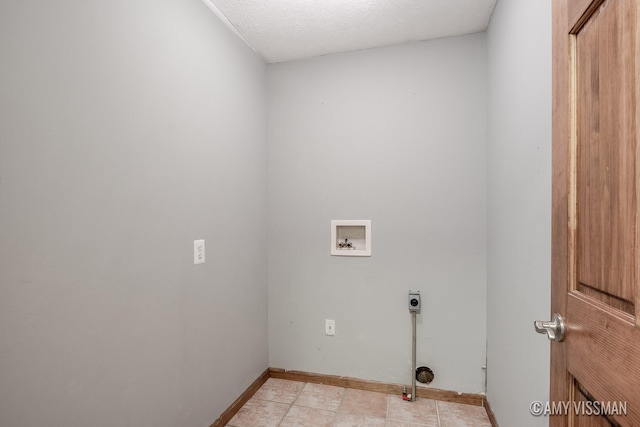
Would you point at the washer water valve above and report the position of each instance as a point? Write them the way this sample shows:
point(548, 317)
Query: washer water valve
point(405, 396)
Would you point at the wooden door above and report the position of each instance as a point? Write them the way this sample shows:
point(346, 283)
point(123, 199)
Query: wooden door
point(596, 222)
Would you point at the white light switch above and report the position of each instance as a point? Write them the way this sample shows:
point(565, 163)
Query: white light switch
point(198, 252)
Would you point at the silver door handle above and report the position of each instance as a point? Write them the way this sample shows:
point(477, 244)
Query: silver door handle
point(554, 329)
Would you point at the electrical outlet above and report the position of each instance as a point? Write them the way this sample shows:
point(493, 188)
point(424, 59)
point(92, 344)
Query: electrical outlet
point(198, 252)
point(330, 327)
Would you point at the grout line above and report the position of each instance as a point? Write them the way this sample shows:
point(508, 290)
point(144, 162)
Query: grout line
point(341, 400)
point(291, 404)
point(299, 393)
point(315, 407)
point(438, 412)
point(285, 415)
point(386, 415)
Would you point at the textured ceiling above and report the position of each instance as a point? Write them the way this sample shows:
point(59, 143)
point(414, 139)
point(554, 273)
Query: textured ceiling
point(284, 30)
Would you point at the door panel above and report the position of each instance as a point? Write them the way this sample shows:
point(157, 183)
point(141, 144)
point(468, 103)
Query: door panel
point(603, 353)
point(606, 144)
point(578, 11)
point(582, 419)
point(596, 229)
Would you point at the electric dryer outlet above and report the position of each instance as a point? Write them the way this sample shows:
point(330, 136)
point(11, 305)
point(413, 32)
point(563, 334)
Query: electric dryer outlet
point(414, 301)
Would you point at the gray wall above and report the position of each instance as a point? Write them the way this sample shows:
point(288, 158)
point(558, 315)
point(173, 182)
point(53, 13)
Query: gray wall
point(519, 182)
point(396, 135)
point(127, 130)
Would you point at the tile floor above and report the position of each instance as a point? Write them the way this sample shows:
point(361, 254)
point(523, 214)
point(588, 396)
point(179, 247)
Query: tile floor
point(284, 403)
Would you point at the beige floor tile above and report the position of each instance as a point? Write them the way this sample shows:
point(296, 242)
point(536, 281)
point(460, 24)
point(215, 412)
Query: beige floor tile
point(320, 396)
point(421, 411)
point(259, 413)
point(344, 419)
point(284, 403)
point(300, 416)
point(277, 390)
point(392, 423)
point(459, 415)
point(364, 403)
